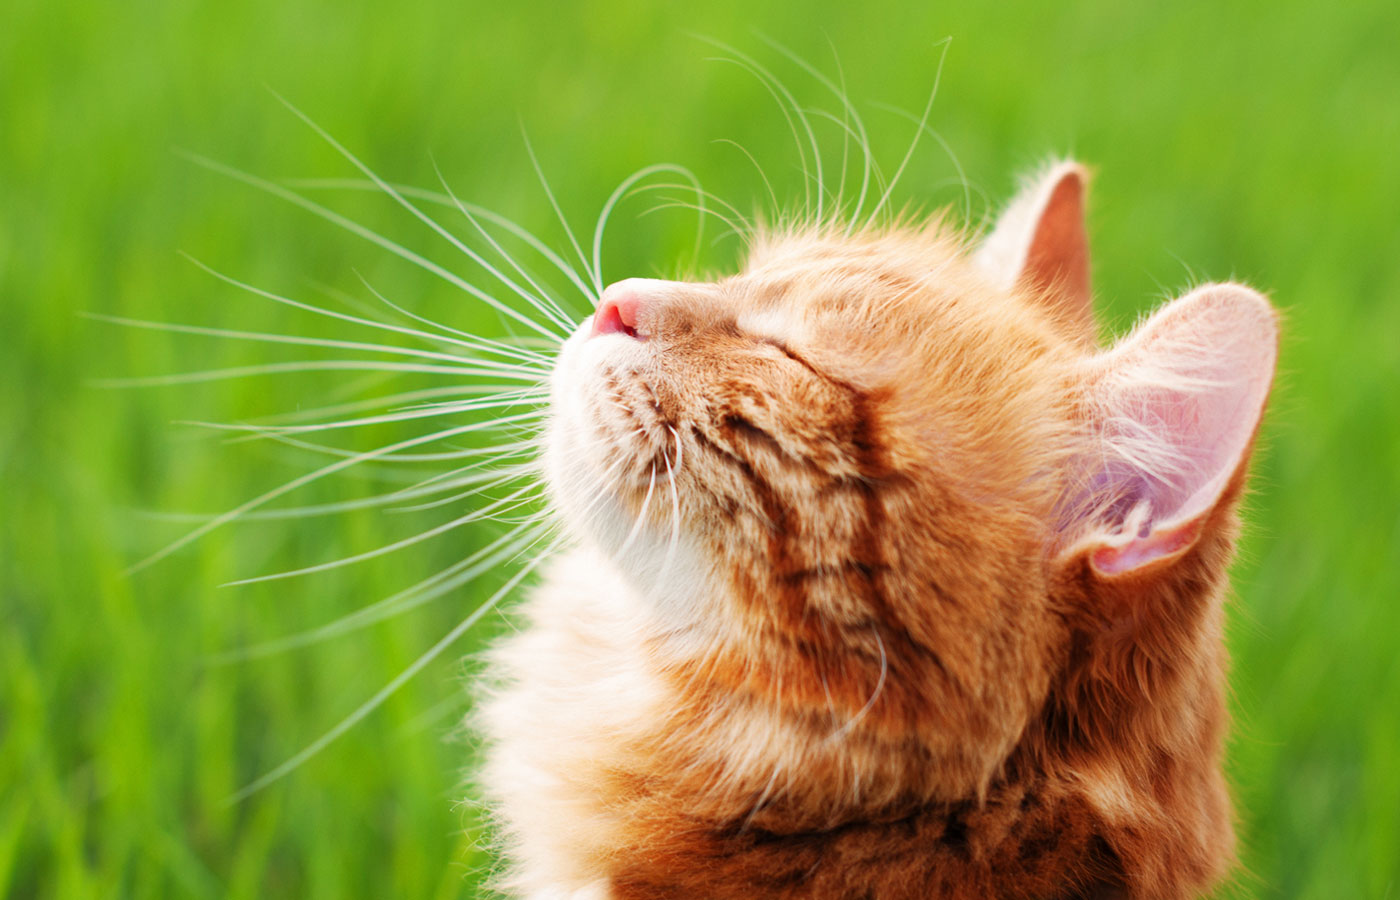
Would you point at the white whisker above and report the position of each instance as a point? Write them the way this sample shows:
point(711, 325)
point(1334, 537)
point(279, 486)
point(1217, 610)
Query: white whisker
point(432, 224)
point(340, 452)
point(509, 475)
point(731, 227)
point(506, 370)
point(923, 126)
point(335, 365)
point(674, 542)
point(292, 485)
point(764, 74)
point(870, 169)
point(850, 118)
point(473, 516)
point(590, 294)
point(375, 238)
point(641, 515)
point(845, 729)
point(403, 416)
point(845, 133)
point(699, 207)
point(463, 338)
point(345, 317)
point(556, 312)
point(424, 488)
point(962, 179)
point(480, 212)
point(777, 92)
point(768, 185)
point(401, 400)
point(389, 689)
point(622, 190)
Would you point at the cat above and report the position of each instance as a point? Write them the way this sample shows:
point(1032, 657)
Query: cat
point(887, 580)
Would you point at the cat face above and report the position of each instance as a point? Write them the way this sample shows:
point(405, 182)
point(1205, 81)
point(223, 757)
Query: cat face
point(855, 474)
point(855, 446)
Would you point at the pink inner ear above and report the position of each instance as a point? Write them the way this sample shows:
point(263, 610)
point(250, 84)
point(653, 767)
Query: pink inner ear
point(1112, 560)
point(1178, 402)
point(1040, 242)
point(1058, 256)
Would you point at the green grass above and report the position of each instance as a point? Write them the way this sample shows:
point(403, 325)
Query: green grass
point(1254, 143)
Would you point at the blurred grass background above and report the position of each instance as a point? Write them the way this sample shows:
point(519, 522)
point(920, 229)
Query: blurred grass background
point(1251, 141)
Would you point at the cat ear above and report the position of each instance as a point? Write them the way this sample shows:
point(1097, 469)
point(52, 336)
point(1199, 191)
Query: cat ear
point(1173, 409)
point(1040, 242)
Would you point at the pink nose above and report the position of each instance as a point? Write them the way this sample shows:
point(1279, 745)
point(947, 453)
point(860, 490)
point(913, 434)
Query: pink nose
point(617, 312)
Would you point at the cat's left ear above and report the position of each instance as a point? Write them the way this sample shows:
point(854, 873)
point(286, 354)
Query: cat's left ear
point(1040, 242)
point(1171, 414)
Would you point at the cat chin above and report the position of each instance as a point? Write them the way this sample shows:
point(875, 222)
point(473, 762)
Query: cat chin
point(656, 557)
point(575, 460)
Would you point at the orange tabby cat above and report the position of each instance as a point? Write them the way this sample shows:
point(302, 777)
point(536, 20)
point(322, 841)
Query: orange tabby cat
point(889, 583)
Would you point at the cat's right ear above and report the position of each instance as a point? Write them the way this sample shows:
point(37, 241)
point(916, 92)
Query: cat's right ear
point(1170, 414)
point(1040, 242)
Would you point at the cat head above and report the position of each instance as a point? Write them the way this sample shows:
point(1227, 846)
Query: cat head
point(885, 479)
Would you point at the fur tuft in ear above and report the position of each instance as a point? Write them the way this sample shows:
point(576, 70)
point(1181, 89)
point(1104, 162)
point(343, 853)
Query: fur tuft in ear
point(1174, 409)
point(1040, 242)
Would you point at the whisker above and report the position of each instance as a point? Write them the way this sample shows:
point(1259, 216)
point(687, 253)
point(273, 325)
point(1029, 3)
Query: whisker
point(424, 488)
point(474, 489)
point(292, 485)
point(335, 365)
point(870, 171)
point(490, 454)
point(297, 304)
point(402, 416)
point(464, 338)
point(763, 73)
point(700, 207)
point(473, 516)
point(430, 222)
point(563, 221)
point(845, 133)
point(392, 458)
point(851, 723)
point(777, 96)
point(674, 543)
point(480, 212)
point(264, 337)
point(923, 126)
point(849, 115)
point(641, 515)
point(962, 179)
point(772, 194)
point(391, 401)
point(731, 227)
point(375, 238)
point(530, 394)
point(622, 189)
point(558, 314)
point(389, 689)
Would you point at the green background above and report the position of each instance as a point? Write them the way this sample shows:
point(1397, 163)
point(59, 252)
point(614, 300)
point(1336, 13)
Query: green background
point(1256, 141)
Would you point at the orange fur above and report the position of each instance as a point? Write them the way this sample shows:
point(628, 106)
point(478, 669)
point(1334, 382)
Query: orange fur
point(835, 628)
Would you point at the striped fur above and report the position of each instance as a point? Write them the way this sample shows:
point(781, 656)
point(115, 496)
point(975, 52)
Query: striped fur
point(833, 626)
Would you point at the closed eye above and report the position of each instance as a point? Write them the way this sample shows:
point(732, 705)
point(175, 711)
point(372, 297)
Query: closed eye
point(793, 355)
